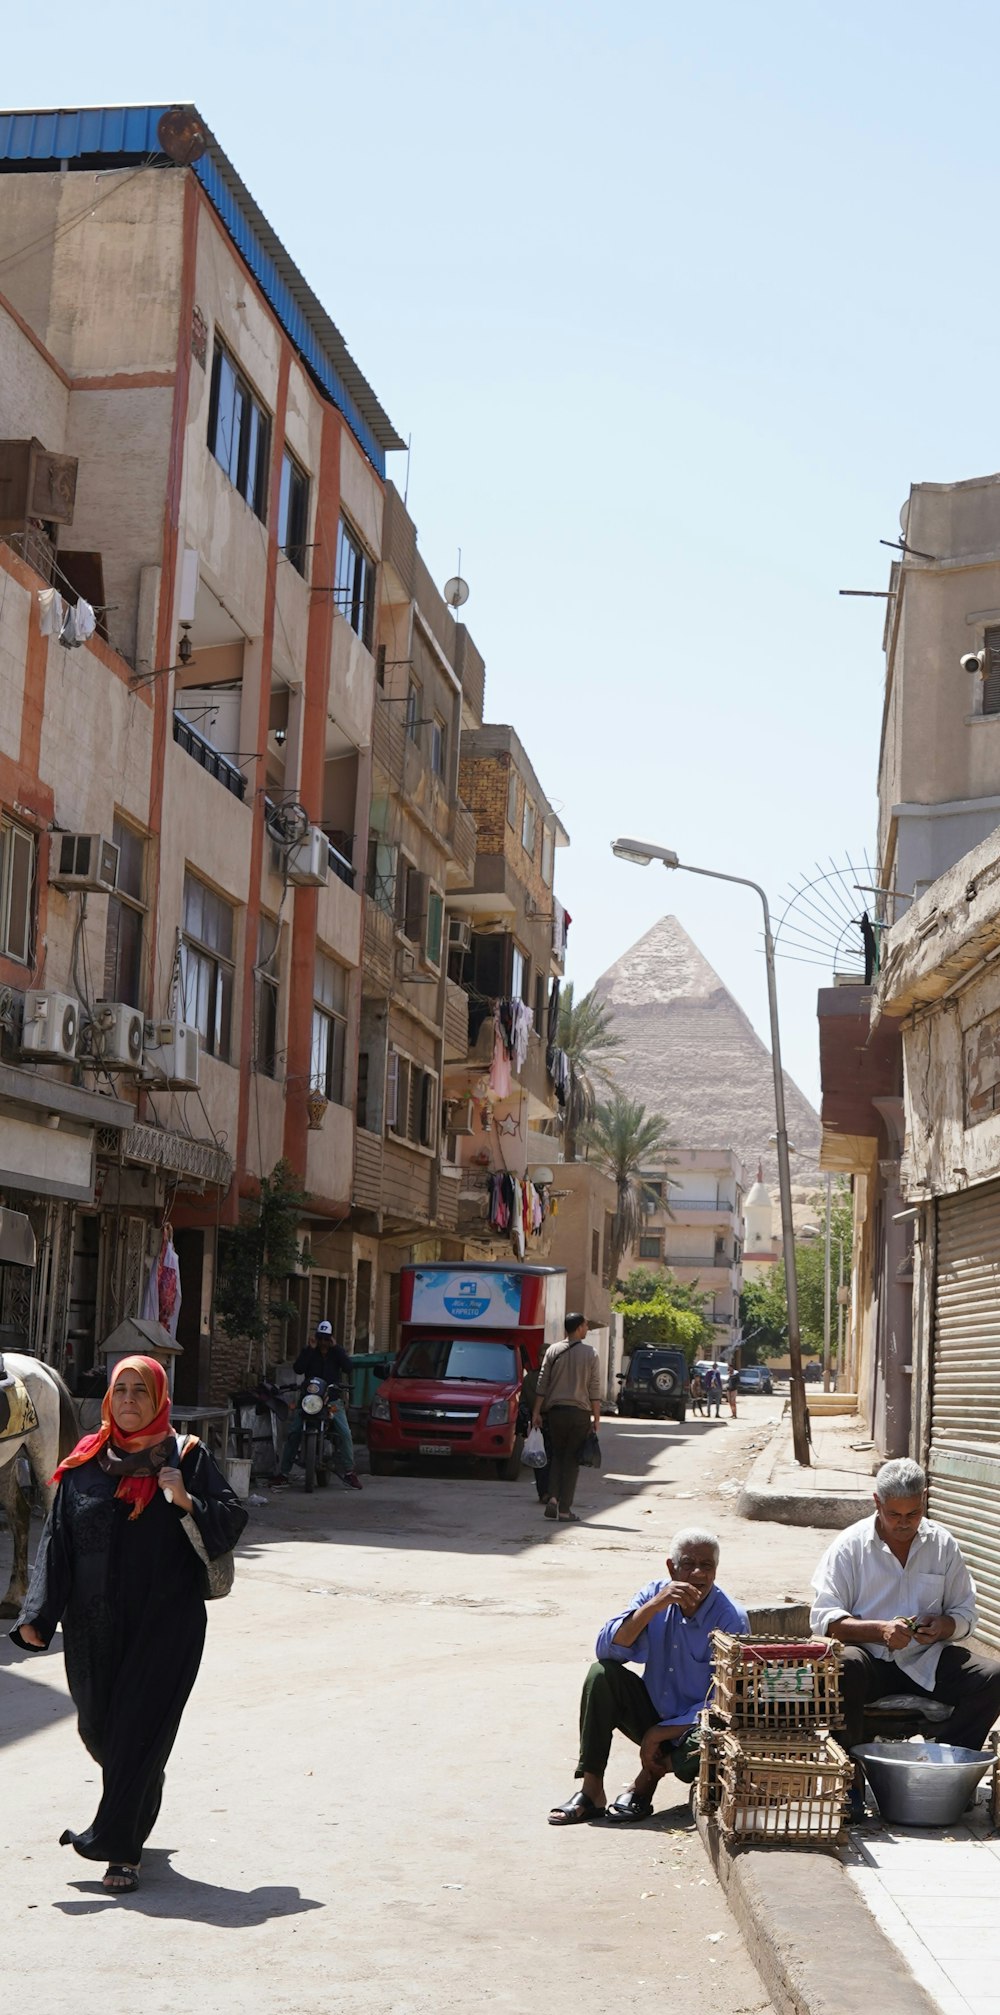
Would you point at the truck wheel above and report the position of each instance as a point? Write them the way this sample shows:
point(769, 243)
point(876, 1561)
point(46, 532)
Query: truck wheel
point(380, 1465)
point(509, 1466)
point(310, 1461)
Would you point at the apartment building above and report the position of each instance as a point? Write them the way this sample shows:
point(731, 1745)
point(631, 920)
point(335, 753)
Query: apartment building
point(186, 444)
point(693, 1226)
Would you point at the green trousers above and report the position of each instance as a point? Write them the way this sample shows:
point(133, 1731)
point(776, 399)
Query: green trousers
point(613, 1698)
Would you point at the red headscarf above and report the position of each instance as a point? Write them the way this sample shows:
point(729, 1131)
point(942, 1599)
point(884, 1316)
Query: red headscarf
point(131, 1453)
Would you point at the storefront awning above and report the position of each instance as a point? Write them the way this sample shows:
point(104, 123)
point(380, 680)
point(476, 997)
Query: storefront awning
point(17, 1240)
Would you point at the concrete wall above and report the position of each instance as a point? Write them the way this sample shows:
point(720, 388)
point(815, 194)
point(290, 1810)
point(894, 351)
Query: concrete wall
point(579, 1218)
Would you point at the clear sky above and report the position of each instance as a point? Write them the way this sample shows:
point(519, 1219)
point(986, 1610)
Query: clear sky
point(675, 302)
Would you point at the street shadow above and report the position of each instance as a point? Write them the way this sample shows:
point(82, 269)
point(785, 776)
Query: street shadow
point(166, 1894)
point(29, 1707)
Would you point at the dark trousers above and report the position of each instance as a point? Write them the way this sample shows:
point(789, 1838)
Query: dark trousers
point(567, 1428)
point(969, 1684)
point(613, 1698)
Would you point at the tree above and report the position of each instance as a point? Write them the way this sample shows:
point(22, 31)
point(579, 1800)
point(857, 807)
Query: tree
point(659, 1309)
point(586, 1036)
point(256, 1257)
point(763, 1303)
point(623, 1139)
point(763, 1319)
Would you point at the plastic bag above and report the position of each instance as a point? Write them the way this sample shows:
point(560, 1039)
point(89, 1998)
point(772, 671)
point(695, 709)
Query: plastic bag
point(533, 1452)
point(590, 1453)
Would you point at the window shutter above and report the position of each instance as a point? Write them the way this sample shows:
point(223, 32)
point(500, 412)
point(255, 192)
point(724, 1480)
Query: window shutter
point(416, 905)
point(991, 677)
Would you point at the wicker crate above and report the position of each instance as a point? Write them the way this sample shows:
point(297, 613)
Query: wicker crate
point(789, 1789)
point(771, 1685)
point(710, 1734)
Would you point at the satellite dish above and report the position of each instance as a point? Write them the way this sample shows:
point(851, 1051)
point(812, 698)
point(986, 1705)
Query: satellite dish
point(904, 517)
point(181, 136)
point(456, 591)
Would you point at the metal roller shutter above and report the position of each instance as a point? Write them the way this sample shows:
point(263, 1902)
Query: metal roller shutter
point(965, 1389)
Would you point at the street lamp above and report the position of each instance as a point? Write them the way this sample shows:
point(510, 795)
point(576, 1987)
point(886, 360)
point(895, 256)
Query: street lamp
point(641, 853)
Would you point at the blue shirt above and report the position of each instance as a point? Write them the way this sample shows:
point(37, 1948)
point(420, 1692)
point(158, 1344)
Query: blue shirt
point(675, 1650)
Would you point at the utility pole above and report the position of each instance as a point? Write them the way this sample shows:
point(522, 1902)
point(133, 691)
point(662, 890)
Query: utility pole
point(826, 1286)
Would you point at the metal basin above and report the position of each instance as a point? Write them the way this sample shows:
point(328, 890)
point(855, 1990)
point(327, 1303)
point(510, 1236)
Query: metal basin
point(922, 1783)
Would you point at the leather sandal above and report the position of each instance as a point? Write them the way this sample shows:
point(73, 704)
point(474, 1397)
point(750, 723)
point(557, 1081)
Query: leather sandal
point(628, 1808)
point(575, 1811)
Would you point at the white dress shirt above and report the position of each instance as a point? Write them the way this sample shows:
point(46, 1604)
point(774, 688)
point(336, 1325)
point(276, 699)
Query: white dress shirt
point(860, 1576)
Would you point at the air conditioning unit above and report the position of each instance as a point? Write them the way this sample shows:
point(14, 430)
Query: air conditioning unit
point(459, 1115)
point(172, 1055)
point(117, 1034)
point(84, 861)
point(459, 934)
point(50, 1027)
point(308, 862)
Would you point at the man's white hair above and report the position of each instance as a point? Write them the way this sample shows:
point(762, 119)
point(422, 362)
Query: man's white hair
point(901, 1478)
point(692, 1535)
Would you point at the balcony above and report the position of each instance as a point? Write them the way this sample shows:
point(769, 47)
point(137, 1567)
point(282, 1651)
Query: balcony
point(367, 1187)
point(379, 945)
point(463, 843)
point(338, 859)
point(218, 766)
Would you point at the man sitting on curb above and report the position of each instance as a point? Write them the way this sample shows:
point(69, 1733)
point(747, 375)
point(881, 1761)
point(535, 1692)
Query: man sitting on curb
point(667, 1630)
point(895, 1591)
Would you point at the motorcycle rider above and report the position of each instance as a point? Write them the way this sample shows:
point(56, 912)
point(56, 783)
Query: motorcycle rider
point(329, 1361)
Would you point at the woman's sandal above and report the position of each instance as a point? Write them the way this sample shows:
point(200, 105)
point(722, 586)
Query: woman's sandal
point(628, 1808)
point(119, 1879)
point(575, 1811)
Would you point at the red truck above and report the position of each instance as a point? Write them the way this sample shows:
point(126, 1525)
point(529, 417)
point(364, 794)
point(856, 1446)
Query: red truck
point(467, 1336)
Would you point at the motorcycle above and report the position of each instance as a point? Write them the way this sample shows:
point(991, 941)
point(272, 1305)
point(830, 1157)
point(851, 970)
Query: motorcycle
point(318, 1402)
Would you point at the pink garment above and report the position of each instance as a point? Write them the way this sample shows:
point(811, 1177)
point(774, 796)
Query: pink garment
point(500, 1069)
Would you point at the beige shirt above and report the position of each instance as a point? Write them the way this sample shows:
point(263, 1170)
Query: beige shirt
point(570, 1376)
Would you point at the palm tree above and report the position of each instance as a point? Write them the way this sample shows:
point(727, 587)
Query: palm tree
point(623, 1139)
point(587, 1037)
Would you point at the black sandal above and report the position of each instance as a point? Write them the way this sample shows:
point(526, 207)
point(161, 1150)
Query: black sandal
point(628, 1808)
point(575, 1811)
point(126, 1878)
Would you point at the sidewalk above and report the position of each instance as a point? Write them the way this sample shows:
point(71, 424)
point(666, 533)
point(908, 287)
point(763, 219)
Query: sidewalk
point(934, 1893)
point(835, 1490)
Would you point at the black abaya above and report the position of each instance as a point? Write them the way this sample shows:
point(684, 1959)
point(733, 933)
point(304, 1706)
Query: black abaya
point(129, 1594)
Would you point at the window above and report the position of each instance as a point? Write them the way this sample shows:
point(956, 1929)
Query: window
point(512, 799)
point(354, 584)
point(540, 1024)
point(518, 968)
point(528, 826)
point(435, 926)
point(438, 749)
point(412, 906)
point(361, 1100)
point(126, 917)
point(239, 431)
point(411, 1101)
point(991, 672)
point(548, 852)
point(329, 1029)
point(17, 891)
point(595, 1252)
point(650, 1248)
point(266, 977)
point(207, 965)
point(381, 879)
point(413, 699)
point(293, 512)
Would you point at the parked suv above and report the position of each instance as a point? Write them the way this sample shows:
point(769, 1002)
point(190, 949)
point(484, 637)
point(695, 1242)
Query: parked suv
point(656, 1383)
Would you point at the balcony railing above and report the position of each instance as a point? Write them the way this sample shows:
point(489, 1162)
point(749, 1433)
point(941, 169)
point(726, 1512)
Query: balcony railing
point(339, 864)
point(217, 765)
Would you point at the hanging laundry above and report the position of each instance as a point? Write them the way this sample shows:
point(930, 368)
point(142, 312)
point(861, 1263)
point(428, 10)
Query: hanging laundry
point(500, 1068)
point(552, 1030)
point(79, 623)
point(558, 1068)
point(161, 1301)
point(51, 612)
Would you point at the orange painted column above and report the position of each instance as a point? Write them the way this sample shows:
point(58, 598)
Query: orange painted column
point(315, 698)
point(258, 771)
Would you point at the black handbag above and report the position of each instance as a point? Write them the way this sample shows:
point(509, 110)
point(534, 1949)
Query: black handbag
point(590, 1453)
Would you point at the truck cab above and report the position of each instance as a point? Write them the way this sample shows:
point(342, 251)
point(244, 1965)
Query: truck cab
point(467, 1337)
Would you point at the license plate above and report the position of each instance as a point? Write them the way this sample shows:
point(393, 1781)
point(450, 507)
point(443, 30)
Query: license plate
point(434, 1448)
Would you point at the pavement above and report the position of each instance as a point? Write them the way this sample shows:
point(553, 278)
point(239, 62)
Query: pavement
point(835, 1490)
point(934, 1895)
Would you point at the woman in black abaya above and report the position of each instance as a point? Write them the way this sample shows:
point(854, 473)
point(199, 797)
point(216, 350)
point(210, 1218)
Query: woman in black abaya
point(116, 1566)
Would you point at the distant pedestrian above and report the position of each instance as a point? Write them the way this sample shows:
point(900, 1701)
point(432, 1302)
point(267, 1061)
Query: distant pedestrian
point(116, 1566)
point(713, 1389)
point(567, 1404)
point(697, 1393)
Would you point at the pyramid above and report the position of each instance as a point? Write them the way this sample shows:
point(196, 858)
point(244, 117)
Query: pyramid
point(689, 1053)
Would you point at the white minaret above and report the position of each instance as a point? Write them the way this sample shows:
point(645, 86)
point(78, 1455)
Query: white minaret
point(758, 1217)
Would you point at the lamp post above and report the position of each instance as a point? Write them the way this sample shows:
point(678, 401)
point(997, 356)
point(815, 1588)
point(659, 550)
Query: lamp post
point(642, 852)
point(826, 1286)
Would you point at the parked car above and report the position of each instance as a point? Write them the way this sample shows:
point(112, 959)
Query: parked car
point(755, 1378)
point(812, 1373)
point(656, 1383)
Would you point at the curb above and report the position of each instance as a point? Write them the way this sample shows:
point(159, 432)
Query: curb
point(814, 1942)
point(762, 1499)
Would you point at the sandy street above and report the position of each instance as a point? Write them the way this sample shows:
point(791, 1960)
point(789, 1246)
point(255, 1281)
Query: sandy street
point(355, 1811)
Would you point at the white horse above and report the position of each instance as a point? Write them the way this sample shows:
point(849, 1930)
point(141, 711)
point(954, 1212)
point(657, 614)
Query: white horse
point(44, 1446)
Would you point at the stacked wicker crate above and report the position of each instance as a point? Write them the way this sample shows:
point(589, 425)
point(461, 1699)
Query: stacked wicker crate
point(770, 1769)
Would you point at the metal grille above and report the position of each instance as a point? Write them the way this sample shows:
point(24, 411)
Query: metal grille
point(964, 1465)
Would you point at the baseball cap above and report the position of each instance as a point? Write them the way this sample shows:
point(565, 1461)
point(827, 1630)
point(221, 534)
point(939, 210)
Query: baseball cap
point(324, 1329)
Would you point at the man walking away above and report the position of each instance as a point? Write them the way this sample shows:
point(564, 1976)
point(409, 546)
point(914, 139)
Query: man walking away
point(567, 1402)
point(329, 1361)
point(713, 1390)
point(896, 1593)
